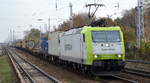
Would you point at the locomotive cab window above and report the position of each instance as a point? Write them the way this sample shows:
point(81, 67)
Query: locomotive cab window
point(106, 36)
point(83, 37)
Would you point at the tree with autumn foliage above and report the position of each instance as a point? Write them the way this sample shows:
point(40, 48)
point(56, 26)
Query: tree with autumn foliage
point(82, 19)
point(32, 34)
point(79, 20)
point(147, 20)
point(128, 21)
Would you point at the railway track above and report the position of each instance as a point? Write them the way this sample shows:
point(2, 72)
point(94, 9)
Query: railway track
point(30, 72)
point(138, 61)
point(137, 69)
point(137, 72)
point(127, 80)
point(134, 73)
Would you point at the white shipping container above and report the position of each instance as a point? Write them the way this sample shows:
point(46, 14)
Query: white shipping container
point(53, 43)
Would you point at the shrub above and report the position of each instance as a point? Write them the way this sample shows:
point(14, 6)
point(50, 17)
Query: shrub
point(142, 53)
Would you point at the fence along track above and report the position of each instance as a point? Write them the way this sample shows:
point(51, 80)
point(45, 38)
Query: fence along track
point(33, 73)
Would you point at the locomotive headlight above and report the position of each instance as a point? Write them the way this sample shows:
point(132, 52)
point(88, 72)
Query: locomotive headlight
point(95, 56)
point(107, 45)
point(119, 56)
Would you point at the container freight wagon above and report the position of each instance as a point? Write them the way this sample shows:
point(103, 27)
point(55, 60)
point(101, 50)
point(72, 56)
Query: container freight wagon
point(44, 45)
point(24, 44)
point(18, 44)
point(33, 45)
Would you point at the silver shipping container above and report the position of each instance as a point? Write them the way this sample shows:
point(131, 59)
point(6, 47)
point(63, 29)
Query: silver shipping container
point(53, 43)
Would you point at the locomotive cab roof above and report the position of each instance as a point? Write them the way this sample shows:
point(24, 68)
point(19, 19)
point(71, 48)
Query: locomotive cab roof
point(88, 28)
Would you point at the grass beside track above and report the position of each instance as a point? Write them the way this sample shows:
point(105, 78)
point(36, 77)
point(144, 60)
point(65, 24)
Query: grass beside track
point(7, 74)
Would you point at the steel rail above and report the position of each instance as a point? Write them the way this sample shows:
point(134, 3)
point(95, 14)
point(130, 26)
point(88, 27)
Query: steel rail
point(37, 68)
point(125, 79)
point(137, 72)
point(138, 61)
point(44, 73)
point(25, 72)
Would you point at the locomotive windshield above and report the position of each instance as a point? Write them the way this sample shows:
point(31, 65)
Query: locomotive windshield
point(106, 36)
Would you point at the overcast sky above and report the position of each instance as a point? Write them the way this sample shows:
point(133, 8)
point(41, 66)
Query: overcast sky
point(21, 15)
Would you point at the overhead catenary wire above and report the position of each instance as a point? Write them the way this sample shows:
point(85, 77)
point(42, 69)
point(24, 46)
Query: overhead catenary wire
point(61, 9)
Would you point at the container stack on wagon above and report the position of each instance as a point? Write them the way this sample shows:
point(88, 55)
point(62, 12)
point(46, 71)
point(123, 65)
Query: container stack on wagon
point(53, 44)
point(44, 45)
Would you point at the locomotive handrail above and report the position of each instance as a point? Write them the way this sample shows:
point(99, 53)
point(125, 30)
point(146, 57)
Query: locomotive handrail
point(138, 61)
